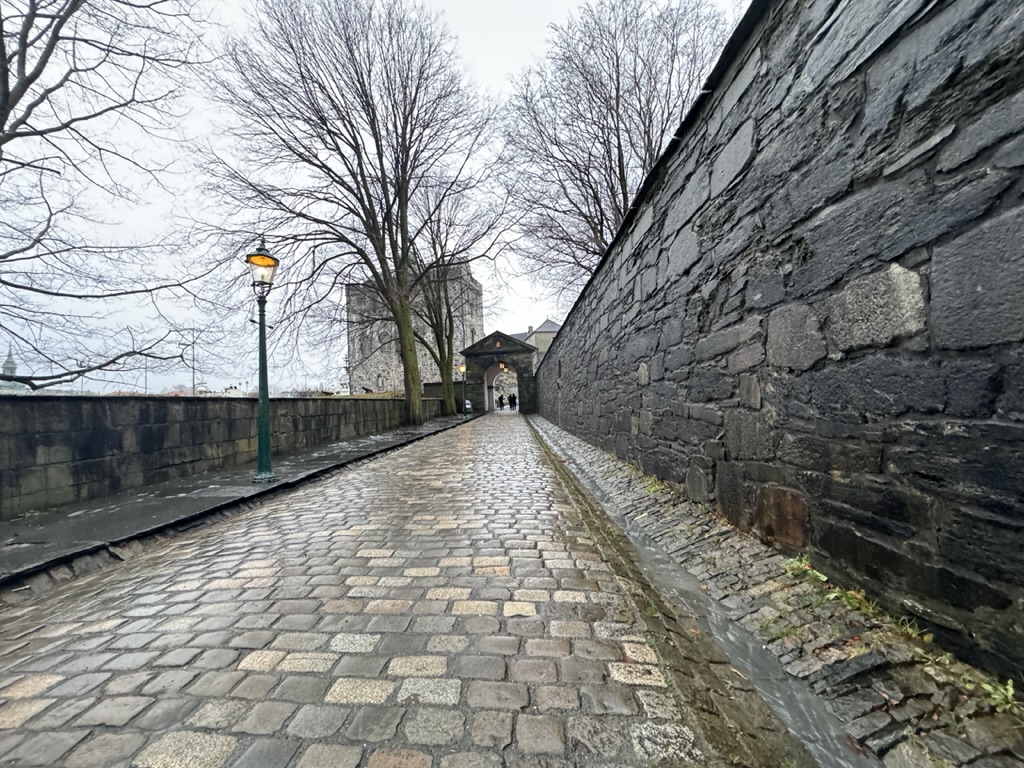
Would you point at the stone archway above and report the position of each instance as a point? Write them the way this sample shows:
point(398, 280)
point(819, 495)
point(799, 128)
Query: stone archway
point(484, 357)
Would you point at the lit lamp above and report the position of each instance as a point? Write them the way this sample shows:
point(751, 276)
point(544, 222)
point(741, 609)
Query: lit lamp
point(462, 370)
point(263, 265)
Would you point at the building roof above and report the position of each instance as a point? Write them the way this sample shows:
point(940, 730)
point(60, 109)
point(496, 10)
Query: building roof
point(548, 326)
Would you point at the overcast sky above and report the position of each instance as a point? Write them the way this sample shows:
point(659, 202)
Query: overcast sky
point(495, 40)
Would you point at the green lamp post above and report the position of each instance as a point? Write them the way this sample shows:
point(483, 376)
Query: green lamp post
point(263, 265)
point(462, 370)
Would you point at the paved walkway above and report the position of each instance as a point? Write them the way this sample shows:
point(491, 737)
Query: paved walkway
point(40, 541)
point(443, 606)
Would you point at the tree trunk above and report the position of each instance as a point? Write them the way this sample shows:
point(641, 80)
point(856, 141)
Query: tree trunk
point(410, 366)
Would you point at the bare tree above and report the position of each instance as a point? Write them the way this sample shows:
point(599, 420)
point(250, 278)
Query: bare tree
point(355, 126)
point(80, 81)
point(587, 124)
point(468, 226)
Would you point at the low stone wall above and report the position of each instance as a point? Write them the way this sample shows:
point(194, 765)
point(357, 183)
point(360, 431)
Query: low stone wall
point(60, 450)
point(813, 317)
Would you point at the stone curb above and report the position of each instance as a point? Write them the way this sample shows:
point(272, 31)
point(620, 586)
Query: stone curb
point(898, 699)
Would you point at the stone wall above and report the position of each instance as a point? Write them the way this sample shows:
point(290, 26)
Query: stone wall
point(60, 450)
point(813, 317)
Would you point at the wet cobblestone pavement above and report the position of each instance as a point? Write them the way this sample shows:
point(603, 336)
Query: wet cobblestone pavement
point(860, 687)
point(442, 606)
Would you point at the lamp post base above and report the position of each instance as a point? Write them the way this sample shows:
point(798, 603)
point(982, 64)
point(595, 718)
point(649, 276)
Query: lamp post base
point(264, 478)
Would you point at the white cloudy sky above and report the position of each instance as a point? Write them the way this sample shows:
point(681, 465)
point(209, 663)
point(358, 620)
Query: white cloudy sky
point(496, 39)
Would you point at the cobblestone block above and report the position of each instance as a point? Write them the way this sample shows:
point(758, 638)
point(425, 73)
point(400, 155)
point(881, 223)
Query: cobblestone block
point(255, 686)
point(553, 697)
point(115, 711)
point(432, 726)
point(307, 662)
point(359, 666)
point(78, 685)
point(169, 682)
point(219, 715)
point(540, 734)
point(299, 641)
point(216, 658)
point(479, 667)
point(126, 662)
point(120, 685)
point(605, 650)
point(574, 671)
point(359, 691)
point(265, 717)
point(330, 756)
point(254, 640)
point(609, 700)
point(533, 671)
point(504, 646)
point(303, 689)
point(29, 686)
point(216, 683)
point(405, 644)
point(388, 623)
point(399, 758)
point(375, 723)
point(354, 643)
point(187, 748)
point(487, 695)
point(177, 658)
point(418, 666)
point(420, 690)
point(164, 714)
point(317, 721)
point(492, 729)
point(61, 713)
point(547, 647)
point(44, 748)
point(105, 749)
point(637, 674)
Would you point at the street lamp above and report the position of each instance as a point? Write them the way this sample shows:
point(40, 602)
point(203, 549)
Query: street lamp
point(462, 370)
point(263, 265)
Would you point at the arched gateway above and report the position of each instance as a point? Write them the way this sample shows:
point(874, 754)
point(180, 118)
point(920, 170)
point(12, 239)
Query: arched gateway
point(483, 363)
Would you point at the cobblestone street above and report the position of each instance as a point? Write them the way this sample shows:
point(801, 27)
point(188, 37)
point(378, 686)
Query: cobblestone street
point(441, 606)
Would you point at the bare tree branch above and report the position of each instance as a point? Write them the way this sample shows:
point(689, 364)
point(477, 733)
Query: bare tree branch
point(354, 128)
point(586, 126)
point(79, 80)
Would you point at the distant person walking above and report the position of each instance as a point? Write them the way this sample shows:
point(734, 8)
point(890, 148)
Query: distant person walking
point(501, 402)
point(512, 400)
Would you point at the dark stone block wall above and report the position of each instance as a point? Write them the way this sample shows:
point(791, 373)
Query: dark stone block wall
point(60, 450)
point(813, 318)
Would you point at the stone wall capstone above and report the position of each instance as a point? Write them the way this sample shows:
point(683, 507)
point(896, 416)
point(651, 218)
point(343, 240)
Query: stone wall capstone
point(813, 317)
point(60, 450)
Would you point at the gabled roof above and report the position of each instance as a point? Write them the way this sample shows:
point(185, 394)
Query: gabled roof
point(548, 326)
point(519, 336)
point(497, 343)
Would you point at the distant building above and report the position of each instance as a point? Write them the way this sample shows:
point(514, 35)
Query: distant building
point(11, 369)
point(541, 338)
point(374, 362)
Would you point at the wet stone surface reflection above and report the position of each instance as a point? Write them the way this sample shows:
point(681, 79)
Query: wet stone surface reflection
point(448, 605)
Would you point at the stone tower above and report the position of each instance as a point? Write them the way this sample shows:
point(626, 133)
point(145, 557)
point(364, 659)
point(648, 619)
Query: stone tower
point(374, 362)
